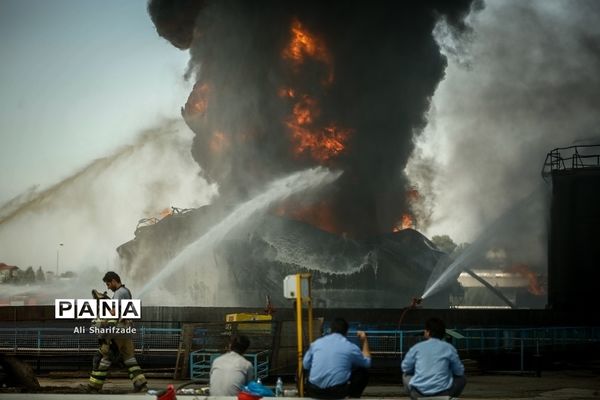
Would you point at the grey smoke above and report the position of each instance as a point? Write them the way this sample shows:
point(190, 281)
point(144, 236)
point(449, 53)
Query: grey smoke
point(96, 209)
point(523, 82)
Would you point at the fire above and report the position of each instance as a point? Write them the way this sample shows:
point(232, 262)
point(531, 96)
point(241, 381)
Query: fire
point(320, 215)
point(322, 140)
point(305, 110)
point(321, 145)
point(218, 142)
point(165, 213)
point(407, 222)
point(287, 92)
point(197, 103)
point(412, 195)
point(534, 285)
point(304, 44)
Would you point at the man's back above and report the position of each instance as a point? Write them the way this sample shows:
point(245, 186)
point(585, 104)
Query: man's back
point(229, 373)
point(331, 360)
point(432, 364)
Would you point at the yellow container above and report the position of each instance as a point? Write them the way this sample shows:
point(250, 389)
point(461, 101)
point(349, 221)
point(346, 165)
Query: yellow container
point(247, 317)
point(260, 327)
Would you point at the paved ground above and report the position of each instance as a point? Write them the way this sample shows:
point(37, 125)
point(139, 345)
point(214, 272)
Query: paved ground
point(567, 385)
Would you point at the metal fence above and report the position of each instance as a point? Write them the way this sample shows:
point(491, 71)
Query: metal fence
point(58, 340)
point(397, 342)
point(384, 344)
point(201, 362)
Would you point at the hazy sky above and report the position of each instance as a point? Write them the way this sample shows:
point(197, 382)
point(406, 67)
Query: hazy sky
point(78, 78)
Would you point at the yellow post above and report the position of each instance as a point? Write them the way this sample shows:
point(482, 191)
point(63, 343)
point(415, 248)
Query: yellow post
point(299, 333)
point(299, 278)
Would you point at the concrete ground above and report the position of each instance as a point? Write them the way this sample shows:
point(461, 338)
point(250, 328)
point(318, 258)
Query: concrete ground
point(555, 385)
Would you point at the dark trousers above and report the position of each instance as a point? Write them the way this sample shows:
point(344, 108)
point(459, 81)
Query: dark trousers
point(353, 388)
point(458, 384)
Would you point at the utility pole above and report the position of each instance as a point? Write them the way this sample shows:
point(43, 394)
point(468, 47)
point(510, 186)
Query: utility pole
point(57, 257)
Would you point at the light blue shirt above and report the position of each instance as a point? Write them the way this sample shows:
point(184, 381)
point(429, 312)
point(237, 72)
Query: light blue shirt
point(432, 363)
point(331, 359)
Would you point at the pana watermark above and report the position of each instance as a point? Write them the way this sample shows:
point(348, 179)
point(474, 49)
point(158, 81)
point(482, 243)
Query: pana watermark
point(97, 309)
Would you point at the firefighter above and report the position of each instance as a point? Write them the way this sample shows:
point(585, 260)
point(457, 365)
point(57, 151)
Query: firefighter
point(116, 348)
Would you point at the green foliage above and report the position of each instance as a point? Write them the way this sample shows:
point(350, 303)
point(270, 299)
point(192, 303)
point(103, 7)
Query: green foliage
point(444, 243)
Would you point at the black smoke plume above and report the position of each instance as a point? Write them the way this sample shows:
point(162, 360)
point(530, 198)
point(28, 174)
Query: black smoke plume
point(375, 70)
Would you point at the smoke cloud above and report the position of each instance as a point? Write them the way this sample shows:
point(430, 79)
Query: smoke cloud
point(96, 209)
point(524, 81)
point(281, 86)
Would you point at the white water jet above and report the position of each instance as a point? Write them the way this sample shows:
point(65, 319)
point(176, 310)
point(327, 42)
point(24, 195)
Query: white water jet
point(443, 275)
point(276, 191)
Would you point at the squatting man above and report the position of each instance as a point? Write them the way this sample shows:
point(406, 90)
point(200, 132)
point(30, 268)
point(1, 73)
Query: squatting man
point(432, 367)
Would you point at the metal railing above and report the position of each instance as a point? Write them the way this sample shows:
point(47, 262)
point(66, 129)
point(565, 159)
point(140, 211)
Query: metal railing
point(397, 342)
point(57, 340)
point(201, 362)
point(571, 158)
point(384, 344)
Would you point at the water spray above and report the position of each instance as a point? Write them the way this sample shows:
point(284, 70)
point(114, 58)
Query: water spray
point(276, 191)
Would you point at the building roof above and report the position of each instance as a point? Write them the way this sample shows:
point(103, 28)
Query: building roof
point(5, 267)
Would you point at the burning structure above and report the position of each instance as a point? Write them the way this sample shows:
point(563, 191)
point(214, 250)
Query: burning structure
point(282, 86)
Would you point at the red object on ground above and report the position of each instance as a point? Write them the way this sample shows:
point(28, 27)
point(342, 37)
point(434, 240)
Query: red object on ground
point(169, 394)
point(247, 396)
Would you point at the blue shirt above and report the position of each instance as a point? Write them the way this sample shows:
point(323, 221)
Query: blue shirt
point(331, 359)
point(432, 363)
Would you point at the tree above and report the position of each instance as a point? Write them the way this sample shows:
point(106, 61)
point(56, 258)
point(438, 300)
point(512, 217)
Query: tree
point(444, 243)
point(29, 275)
point(39, 275)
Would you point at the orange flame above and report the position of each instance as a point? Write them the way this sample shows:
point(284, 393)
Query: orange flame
point(166, 213)
point(322, 144)
point(218, 142)
point(198, 100)
point(320, 215)
point(534, 285)
point(305, 110)
point(406, 222)
point(287, 92)
point(304, 44)
point(322, 141)
point(412, 195)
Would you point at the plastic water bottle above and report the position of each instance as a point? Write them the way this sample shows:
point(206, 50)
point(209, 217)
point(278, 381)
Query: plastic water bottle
point(258, 380)
point(279, 388)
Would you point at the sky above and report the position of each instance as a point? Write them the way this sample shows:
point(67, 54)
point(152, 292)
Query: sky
point(90, 130)
point(78, 79)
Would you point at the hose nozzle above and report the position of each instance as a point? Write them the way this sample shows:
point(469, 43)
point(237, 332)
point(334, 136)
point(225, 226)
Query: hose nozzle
point(415, 302)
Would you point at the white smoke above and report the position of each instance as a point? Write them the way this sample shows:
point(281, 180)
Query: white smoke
point(95, 210)
point(523, 82)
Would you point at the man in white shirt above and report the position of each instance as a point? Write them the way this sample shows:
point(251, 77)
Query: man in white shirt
point(230, 372)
